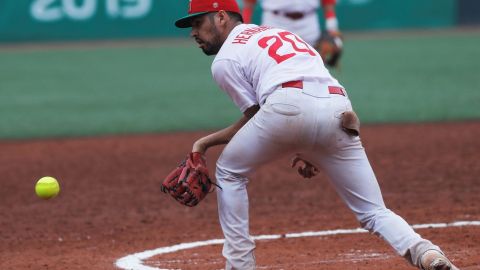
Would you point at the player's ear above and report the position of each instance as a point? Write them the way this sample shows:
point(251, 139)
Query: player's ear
point(222, 17)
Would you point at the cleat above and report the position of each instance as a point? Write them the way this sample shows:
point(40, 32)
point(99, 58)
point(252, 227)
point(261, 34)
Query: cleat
point(434, 260)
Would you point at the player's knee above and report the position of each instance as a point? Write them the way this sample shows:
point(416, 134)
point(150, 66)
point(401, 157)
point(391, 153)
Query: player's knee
point(224, 174)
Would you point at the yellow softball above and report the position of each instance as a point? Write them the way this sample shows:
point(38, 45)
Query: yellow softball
point(47, 187)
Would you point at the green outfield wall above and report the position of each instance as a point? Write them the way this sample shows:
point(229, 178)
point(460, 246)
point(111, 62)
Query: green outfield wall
point(26, 20)
point(37, 20)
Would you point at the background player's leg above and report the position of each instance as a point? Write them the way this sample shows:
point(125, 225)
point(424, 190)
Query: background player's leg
point(307, 28)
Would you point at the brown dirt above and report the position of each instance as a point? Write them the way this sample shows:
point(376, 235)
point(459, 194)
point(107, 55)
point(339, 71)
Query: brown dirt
point(110, 204)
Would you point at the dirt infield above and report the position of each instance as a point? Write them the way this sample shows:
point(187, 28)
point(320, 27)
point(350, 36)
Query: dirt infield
point(111, 206)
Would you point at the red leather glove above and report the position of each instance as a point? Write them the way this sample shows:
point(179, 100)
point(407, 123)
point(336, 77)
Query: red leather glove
point(189, 183)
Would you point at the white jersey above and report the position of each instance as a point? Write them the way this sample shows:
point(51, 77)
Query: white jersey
point(290, 5)
point(255, 60)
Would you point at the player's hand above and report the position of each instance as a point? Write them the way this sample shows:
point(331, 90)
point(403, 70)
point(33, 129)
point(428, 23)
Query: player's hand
point(305, 169)
point(337, 38)
point(199, 147)
point(330, 48)
point(335, 33)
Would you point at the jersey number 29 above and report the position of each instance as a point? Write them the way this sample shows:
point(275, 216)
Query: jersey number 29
point(279, 42)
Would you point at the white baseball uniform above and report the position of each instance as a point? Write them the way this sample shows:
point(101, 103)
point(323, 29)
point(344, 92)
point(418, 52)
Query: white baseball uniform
point(307, 27)
point(299, 114)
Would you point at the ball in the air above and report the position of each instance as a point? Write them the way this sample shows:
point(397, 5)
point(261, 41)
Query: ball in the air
point(47, 187)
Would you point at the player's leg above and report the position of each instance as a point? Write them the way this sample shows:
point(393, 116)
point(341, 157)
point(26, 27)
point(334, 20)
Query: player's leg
point(346, 163)
point(263, 139)
point(275, 20)
point(308, 28)
point(355, 182)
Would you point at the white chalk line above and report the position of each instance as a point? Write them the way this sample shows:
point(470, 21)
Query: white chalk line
point(135, 261)
point(358, 256)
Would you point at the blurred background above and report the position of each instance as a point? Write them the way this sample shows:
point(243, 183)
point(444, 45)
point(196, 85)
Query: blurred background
point(92, 67)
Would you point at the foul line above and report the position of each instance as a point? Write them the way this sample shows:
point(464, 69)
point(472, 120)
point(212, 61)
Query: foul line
point(135, 261)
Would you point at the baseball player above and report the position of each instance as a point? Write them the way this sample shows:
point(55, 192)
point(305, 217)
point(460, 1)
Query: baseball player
point(297, 16)
point(291, 105)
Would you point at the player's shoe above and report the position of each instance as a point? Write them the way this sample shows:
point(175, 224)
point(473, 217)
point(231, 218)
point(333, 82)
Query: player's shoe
point(434, 260)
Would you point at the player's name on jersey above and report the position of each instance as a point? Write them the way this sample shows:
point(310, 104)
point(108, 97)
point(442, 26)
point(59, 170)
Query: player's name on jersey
point(246, 34)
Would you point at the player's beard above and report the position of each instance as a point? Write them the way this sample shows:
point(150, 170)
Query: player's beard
point(213, 46)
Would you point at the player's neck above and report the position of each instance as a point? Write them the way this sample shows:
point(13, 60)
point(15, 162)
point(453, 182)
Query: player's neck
point(228, 29)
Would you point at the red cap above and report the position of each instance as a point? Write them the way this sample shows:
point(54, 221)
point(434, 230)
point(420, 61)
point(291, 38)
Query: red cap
point(200, 7)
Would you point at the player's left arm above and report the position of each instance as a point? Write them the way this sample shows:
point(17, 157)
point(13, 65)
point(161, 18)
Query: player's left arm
point(331, 21)
point(225, 135)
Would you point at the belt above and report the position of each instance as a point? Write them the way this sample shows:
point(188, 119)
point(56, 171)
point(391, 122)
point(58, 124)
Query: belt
point(291, 15)
point(336, 90)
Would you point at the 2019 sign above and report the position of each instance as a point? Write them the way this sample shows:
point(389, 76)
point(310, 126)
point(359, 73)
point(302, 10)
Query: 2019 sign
point(56, 10)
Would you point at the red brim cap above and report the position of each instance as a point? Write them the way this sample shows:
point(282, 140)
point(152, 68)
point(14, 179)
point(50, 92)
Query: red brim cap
point(200, 7)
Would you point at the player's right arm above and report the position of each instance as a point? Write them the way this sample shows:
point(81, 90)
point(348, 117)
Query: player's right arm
point(248, 8)
point(225, 135)
point(229, 76)
point(331, 22)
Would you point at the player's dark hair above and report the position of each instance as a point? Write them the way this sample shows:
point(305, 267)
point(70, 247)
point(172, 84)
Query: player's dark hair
point(236, 16)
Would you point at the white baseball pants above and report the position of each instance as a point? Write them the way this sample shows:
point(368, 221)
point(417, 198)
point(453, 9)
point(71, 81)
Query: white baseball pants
point(308, 27)
point(292, 122)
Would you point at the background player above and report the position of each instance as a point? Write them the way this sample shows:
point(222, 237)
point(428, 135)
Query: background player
point(297, 16)
point(291, 106)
